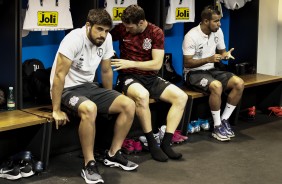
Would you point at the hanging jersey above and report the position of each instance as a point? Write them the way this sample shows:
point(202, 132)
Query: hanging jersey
point(48, 15)
point(218, 6)
point(234, 4)
point(181, 11)
point(116, 7)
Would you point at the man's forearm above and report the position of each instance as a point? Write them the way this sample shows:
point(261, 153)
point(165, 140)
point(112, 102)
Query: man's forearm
point(107, 79)
point(149, 65)
point(193, 63)
point(57, 90)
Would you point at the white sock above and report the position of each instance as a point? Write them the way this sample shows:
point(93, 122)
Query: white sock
point(216, 118)
point(227, 111)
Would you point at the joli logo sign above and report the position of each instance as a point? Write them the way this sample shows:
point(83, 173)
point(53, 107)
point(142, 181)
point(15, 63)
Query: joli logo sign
point(117, 12)
point(182, 14)
point(47, 18)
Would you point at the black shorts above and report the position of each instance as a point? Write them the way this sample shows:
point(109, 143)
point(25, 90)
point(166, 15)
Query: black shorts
point(154, 84)
point(72, 97)
point(201, 79)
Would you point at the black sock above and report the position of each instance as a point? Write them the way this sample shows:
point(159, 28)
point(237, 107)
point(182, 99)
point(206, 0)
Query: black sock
point(167, 148)
point(155, 150)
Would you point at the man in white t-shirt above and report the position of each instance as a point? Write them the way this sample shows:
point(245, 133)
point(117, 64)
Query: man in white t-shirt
point(72, 86)
point(203, 47)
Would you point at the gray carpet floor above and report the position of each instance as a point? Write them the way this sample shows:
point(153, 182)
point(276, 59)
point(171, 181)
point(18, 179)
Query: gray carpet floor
point(253, 156)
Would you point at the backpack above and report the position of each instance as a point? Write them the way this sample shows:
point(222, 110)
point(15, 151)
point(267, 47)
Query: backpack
point(36, 85)
point(2, 98)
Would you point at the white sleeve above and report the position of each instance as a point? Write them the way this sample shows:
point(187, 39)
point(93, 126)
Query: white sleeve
point(109, 51)
point(220, 45)
point(188, 45)
point(71, 45)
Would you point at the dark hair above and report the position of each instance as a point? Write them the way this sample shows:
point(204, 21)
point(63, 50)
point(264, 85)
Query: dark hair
point(133, 14)
point(208, 11)
point(99, 16)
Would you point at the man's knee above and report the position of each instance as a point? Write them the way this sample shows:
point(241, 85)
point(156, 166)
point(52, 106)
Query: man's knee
point(127, 105)
point(215, 87)
point(237, 83)
point(181, 97)
point(87, 110)
point(142, 98)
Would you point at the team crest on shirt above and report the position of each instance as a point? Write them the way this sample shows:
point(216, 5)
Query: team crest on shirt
point(147, 44)
point(100, 52)
point(215, 39)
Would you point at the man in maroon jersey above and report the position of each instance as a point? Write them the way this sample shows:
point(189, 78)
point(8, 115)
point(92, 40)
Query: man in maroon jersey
point(141, 47)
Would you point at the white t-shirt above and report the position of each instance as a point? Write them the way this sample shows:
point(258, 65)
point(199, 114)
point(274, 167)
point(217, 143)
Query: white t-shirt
point(48, 15)
point(200, 45)
point(84, 55)
point(234, 4)
point(116, 7)
point(181, 11)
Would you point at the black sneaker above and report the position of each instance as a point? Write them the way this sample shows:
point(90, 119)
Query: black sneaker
point(10, 173)
point(91, 174)
point(26, 170)
point(119, 160)
point(22, 156)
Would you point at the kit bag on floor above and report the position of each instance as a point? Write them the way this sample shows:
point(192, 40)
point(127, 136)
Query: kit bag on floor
point(2, 98)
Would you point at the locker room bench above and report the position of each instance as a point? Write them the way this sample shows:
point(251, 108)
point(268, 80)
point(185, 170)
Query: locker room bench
point(261, 90)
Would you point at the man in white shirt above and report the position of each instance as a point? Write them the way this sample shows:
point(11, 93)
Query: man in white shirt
point(203, 47)
point(72, 86)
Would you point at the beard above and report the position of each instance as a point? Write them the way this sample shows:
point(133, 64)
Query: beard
point(98, 41)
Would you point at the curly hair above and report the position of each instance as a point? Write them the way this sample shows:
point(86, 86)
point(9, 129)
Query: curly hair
point(100, 17)
point(133, 14)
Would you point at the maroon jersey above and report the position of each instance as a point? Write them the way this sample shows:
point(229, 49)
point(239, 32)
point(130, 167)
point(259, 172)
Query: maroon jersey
point(138, 47)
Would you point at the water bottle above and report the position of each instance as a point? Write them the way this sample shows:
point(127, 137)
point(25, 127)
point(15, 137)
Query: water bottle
point(11, 105)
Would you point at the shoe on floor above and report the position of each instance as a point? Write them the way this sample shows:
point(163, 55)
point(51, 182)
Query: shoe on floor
point(277, 111)
point(26, 170)
point(182, 136)
point(162, 132)
point(91, 174)
point(127, 146)
point(137, 146)
point(119, 160)
point(193, 127)
point(190, 128)
point(10, 173)
point(177, 138)
point(204, 124)
point(144, 142)
point(228, 129)
point(220, 134)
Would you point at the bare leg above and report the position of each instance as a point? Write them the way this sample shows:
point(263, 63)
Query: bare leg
point(125, 107)
point(178, 100)
point(237, 86)
point(87, 112)
point(141, 98)
point(215, 96)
